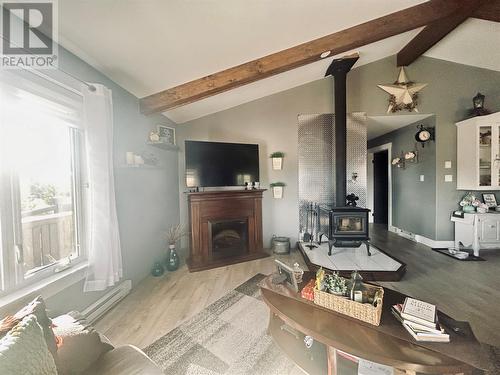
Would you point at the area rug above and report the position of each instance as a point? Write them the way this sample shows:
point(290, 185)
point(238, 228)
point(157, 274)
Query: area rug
point(227, 337)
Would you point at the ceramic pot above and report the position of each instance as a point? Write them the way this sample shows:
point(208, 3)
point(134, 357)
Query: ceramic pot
point(280, 245)
point(277, 192)
point(469, 209)
point(172, 258)
point(277, 164)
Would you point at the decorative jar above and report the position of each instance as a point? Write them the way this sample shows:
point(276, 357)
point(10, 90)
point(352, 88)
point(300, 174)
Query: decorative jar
point(469, 209)
point(157, 269)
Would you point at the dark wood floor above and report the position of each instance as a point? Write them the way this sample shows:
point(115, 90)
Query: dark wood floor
point(464, 290)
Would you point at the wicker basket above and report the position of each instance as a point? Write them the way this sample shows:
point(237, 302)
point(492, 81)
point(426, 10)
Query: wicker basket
point(365, 312)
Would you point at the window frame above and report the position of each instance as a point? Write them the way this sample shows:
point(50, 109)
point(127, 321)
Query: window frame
point(12, 274)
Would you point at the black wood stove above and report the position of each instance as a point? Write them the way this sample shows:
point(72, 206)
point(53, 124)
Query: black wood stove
point(346, 226)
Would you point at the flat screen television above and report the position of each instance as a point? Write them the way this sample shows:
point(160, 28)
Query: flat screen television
point(217, 164)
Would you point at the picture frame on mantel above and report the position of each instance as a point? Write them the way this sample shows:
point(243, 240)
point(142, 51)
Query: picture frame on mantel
point(167, 134)
point(490, 200)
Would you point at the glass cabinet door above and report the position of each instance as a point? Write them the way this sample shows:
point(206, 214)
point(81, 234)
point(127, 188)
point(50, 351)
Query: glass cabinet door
point(496, 161)
point(485, 162)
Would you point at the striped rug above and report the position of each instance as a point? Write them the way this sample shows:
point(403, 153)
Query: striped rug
point(227, 337)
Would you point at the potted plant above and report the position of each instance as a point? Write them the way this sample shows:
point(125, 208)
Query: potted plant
point(277, 158)
point(174, 234)
point(335, 284)
point(469, 203)
point(277, 189)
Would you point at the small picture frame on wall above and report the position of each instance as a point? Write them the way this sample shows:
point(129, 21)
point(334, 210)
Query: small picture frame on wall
point(289, 275)
point(490, 200)
point(166, 134)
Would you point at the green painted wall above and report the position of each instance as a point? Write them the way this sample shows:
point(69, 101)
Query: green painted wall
point(413, 201)
point(448, 96)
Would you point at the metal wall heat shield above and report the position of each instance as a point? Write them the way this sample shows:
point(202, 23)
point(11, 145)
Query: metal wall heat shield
point(316, 169)
point(316, 154)
point(357, 155)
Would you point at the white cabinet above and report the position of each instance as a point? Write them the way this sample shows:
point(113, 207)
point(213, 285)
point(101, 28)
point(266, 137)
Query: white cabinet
point(479, 231)
point(488, 229)
point(478, 153)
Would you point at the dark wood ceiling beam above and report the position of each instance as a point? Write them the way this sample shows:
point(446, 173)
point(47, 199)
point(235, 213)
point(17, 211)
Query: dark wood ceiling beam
point(490, 11)
point(435, 31)
point(306, 53)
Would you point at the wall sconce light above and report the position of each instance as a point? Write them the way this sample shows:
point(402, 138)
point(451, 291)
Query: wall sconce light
point(406, 157)
point(411, 156)
point(478, 105)
point(399, 162)
point(478, 101)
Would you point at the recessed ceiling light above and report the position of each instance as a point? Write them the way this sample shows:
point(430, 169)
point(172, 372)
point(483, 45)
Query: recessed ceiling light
point(325, 54)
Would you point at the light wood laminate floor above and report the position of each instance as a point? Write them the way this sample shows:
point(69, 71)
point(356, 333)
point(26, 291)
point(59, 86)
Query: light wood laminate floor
point(465, 290)
point(159, 304)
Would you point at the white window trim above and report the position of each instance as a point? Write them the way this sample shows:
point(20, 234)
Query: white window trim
point(48, 286)
point(49, 281)
point(15, 272)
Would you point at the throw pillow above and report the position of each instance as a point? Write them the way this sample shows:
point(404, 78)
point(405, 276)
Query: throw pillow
point(23, 350)
point(37, 308)
point(81, 344)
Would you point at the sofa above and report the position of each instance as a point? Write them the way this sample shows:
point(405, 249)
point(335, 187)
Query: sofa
point(31, 343)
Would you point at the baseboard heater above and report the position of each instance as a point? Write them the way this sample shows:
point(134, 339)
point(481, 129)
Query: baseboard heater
point(106, 302)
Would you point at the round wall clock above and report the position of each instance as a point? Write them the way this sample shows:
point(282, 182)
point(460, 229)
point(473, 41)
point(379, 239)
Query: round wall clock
point(424, 134)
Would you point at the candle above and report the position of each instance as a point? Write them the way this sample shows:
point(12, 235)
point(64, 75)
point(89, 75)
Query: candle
point(138, 160)
point(129, 157)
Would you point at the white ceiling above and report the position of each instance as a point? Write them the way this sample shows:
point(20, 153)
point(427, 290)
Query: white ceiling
point(150, 45)
point(380, 125)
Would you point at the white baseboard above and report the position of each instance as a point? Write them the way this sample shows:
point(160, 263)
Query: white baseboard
point(106, 302)
point(421, 239)
point(408, 235)
point(433, 243)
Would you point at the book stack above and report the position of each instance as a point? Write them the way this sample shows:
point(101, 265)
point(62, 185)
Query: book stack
point(419, 318)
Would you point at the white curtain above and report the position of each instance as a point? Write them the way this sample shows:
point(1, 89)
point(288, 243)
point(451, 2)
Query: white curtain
point(102, 235)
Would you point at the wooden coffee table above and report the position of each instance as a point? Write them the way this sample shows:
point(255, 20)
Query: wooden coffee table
point(293, 317)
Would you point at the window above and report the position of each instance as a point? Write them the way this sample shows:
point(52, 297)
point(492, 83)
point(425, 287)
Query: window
point(41, 179)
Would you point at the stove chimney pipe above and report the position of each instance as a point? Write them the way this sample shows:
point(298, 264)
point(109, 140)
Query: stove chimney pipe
point(339, 69)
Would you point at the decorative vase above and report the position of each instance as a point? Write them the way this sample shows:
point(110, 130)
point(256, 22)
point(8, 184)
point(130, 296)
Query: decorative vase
point(469, 209)
point(157, 269)
point(172, 258)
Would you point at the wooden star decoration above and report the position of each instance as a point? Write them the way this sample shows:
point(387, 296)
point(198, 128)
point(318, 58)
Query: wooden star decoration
point(403, 93)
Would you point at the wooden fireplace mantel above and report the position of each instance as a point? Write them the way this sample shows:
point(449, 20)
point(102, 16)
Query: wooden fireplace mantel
point(208, 207)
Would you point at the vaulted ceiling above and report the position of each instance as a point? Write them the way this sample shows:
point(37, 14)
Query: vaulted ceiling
point(147, 46)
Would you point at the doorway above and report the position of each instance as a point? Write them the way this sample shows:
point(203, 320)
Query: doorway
point(380, 185)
